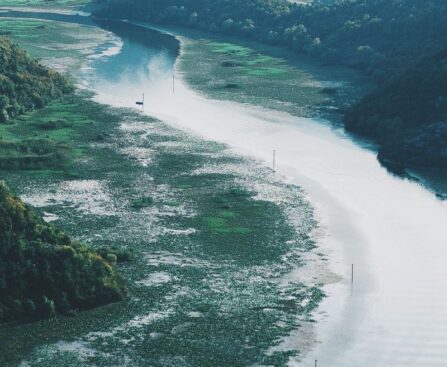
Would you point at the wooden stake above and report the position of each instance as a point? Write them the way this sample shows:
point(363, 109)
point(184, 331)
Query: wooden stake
point(274, 161)
point(316, 362)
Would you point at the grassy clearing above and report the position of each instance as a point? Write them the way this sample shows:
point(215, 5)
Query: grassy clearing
point(49, 138)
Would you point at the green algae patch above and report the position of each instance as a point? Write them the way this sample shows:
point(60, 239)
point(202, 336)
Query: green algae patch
point(172, 203)
point(227, 214)
point(229, 48)
point(267, 72)
point(221, 225)
point(249, 62)
point(263, 59)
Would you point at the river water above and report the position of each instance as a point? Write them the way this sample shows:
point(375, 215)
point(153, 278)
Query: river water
point(393, 312)
point(391, 229)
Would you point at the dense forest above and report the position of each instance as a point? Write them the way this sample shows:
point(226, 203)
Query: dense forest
point(384, 112)
point(407, 115)
point(24, 83)
point(398, 43)
point(43, 272)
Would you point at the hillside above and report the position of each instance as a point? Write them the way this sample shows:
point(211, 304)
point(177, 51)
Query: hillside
point(25, 86)
point(43, 272)
point(24, 83)
point(408, 115)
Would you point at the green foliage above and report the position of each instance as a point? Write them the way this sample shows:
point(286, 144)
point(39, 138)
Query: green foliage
point(414, 98)
point(25, 84)
point(43, 272)
point(406, 114)
point(114, 254)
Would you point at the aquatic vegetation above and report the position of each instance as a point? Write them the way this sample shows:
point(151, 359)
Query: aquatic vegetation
point(210, 249)
point(51, 138)
point(207, 255)
point(230, 48)
point(249, 60)
point(248, 74)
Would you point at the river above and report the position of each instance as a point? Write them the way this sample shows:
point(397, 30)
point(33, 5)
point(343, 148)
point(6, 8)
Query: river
point(393, 312)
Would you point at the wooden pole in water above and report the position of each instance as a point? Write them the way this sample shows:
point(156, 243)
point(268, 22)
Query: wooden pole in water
point(352, 274)
point(316, 362)
point(274, 161)
point(142, 106)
